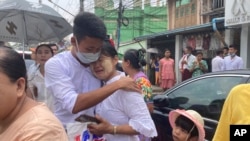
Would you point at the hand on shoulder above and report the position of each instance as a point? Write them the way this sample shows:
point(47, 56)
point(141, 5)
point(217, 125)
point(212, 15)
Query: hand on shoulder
point(128, 84)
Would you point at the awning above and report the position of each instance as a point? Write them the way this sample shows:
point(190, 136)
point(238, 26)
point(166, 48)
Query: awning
point(185, 30)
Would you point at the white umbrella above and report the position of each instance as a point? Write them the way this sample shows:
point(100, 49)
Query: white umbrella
point(29, 22)
point(152, 50)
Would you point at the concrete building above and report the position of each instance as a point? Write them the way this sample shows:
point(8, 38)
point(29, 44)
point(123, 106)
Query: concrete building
point(237, 16)
point(139, 18)
point(199, 24)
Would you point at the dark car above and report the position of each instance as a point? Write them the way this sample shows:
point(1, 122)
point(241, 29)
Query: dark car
point(205, 94)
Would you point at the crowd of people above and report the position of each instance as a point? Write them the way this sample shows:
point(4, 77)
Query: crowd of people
point(191, 65)
point(40, 103)
point(83, 80)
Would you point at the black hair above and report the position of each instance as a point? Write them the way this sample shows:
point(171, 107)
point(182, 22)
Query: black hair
point(136, 58)
point(167, 50)
point(186, 124)
point(88, 25)
point(108, 50)
point(153, 56)
point(219, 52)
point(232, 46)
point(45, 45)
point(199, 53)
point(158, 56)
point(12, 64)
point(189, 48)
point(226, 48)
point(51, 45)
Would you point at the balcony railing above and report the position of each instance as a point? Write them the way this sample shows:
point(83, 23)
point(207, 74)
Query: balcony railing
point(218, 4)
point(210, 6)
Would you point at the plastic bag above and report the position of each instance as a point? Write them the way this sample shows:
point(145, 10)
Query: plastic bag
point(78, 132)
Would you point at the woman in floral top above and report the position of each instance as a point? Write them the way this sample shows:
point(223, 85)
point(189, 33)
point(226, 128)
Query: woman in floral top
point(145, 86)
point(199, 66)
point(132, 63)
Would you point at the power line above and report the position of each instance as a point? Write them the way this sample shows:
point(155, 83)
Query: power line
point(137, 28)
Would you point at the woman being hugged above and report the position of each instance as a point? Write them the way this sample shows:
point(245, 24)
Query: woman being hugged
point(124, 114)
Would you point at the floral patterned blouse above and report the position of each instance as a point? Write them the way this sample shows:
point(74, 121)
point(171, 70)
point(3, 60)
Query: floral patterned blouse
point(145, 85)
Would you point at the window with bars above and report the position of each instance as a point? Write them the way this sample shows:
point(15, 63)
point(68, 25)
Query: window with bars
point(193, 8)
point(177, 13)
point(218, 4)
point(187, 10)
point(182, 12)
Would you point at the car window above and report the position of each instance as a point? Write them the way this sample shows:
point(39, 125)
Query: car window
point(205, 95)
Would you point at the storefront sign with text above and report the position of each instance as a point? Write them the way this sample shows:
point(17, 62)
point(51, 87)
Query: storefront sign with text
point(237, 12)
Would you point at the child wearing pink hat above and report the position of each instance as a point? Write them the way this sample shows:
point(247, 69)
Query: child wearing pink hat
point(187, 125)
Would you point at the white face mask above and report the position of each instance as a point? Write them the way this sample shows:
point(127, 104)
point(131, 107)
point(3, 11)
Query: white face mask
point(86, 58)
point(232, 54)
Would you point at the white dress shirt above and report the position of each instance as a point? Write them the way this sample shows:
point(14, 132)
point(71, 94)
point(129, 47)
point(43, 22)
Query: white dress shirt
point(189, 59)
point(66, 78)
point(233, 63)
point(217, 64)
point(124, 107)
point(36, 79)
point(32, 69)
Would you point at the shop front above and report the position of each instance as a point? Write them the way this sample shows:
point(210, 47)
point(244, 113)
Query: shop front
point(237, 16)
point(201, 38)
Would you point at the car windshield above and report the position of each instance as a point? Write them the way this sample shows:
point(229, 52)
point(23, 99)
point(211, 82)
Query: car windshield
point(205, 95)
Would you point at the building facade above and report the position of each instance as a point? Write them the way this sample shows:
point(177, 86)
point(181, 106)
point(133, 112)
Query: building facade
point(195, 23)
point(141, 17)
point(237, 16)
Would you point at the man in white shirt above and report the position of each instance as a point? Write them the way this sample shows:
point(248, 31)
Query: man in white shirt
point(225, 52)
point(218, 62)
point(67, 75)
point(186, 62)
point(233, 62)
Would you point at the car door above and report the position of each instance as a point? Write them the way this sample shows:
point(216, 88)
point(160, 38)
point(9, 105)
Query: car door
point(206, 95)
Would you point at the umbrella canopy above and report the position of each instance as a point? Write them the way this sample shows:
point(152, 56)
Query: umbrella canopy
point(152, 50)
point(29, 22)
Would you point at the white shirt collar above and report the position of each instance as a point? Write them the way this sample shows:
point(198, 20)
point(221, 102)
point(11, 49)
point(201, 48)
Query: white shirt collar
point(115, 78)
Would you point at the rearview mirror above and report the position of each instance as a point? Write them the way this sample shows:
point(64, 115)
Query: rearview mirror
point(161, 101)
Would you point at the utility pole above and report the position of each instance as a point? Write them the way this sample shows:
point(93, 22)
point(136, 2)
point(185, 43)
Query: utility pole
point(119, 21)
point(81, 5)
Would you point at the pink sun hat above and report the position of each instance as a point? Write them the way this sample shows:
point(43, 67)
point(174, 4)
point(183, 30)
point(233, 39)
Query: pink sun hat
point(193, 116)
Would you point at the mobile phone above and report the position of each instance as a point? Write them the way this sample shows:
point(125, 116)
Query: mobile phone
point(87, 118)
